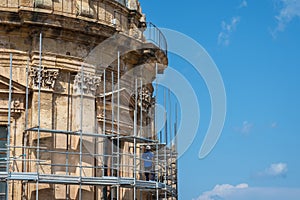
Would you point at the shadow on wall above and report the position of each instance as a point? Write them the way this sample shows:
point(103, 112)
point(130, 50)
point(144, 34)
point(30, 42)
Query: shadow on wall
point(45, 194)
point(49, 194)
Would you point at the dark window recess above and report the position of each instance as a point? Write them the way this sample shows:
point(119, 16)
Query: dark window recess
point(3, 151)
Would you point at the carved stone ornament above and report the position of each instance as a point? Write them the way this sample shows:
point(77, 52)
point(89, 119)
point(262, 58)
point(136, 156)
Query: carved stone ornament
point(88, 84)
point(145, 99)
point(17, 105)
point(47, 77)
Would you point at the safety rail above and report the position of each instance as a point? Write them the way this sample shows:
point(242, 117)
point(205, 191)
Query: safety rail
point(127, 167)
point(154, 35)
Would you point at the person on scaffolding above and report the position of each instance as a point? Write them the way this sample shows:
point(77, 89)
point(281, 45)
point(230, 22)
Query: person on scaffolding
point(147, 158)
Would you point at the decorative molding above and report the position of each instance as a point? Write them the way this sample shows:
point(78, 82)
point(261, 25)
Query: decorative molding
point(89, 83)
point(145, 98)
point(47, 77)
point(17, 106)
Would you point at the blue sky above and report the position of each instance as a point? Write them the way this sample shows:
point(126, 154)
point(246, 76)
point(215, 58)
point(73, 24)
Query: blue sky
point(256, 47)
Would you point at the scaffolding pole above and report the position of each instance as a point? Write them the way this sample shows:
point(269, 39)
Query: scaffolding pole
point(170, 135)
point(104, 117)
point(141, 108)
point(9, 125)
point(118, 127)
point(25, 140)
point(134, 141)
point(26, 113)
point(39, 116)
point(141, 111)
point(156, 132)
point(80, 142)
point(166, 142)
point(105, 164)
point(112, 130)
point(68, 135)
point(175, 136)
point(96, 142)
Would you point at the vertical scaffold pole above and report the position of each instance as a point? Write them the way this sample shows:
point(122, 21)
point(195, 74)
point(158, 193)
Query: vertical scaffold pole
point(171, 141)
point(105, 146)
point(9, 126)
point(112, 131)
point(68, 136)
point(80, 142)
point(134, 141)
point(26, 114)
point(156, 133)
point(166, 143)
point(156, 97)
point(39, 117)
point(25, 132)
point(118, 128)
point(141, 112)
point(141, 108)
point(96, 156)
point(175, 135)
point(104, 124)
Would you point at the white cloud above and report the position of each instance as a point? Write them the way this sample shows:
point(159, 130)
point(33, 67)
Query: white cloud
point(227, 30)
point(290, 9)
point(221, 191)
point(275, 170)
point(243, 4)
point(245, 128)
point(244, 192)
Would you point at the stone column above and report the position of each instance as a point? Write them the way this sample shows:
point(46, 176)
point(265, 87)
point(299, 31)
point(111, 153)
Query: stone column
point(47, 78)
point(84, 111)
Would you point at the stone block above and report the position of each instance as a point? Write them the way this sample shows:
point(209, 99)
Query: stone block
point(13, 4)
point(84, 9)
point(43, 4)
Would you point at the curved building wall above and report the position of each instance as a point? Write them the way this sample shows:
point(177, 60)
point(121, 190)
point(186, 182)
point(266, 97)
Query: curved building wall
point(81, 109)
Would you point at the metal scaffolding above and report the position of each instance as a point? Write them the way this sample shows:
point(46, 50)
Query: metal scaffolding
point(109, 166)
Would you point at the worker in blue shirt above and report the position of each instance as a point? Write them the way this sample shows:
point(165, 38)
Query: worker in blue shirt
point(147, 158)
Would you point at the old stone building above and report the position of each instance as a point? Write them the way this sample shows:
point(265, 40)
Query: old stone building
point(77, 104)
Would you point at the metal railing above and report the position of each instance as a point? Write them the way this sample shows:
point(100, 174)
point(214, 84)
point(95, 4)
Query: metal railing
point(154, 35)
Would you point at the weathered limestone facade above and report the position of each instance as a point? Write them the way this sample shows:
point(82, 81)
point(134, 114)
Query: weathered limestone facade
point(82, 73)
